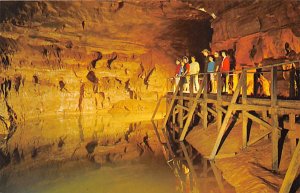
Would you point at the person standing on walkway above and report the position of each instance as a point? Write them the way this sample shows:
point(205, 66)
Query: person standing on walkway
point(205, 53)
point(194, 71)
point(179, 72)
point(218, 63)
point(211, 69)
point(186, 74)
point(225, 67)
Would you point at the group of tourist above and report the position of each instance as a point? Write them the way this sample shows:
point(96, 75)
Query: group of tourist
point(213, 62)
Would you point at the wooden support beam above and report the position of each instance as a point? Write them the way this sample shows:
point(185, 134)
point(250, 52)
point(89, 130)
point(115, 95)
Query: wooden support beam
point(212, 111)
point(221, 109)
point(199, 114)
point(157, 107)
point(259, 121)
point(292, 121)
point(218, 176)
point(275, 132)
point(189, 161)
point(182, 107)
point(168, 143)
point(204, 111)
point(226, 119)
point(180, 102)
point(191, 112)
point(172, 103)
point(246, 107)
point(258, 138)
point(156, 131)
point(245, 118)
point(291, 172)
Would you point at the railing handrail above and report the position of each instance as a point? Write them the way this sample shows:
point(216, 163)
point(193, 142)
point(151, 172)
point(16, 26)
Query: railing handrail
point(244, 69)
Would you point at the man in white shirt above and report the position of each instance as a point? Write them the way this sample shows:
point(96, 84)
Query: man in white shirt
point(194, 71)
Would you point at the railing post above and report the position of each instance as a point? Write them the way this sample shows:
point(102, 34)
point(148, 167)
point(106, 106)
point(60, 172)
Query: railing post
point(219, 100)
point(275, 131)
point(204, 105)
point(244, 102)
point(180, 102)
point(292, 82)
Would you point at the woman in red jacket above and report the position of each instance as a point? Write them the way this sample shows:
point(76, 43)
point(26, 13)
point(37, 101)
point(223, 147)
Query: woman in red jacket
point(225, 67)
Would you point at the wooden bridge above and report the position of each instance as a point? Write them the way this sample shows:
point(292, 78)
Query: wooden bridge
point(183, 108)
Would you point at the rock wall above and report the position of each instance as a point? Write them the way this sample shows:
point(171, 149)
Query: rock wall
point(70, 57)
point(257, 30)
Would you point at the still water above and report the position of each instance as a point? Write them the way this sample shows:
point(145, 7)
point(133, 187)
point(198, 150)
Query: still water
point(93, 154)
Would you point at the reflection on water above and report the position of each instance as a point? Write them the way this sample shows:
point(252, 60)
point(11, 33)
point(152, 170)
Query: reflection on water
point(76, 154)
point(193, 173)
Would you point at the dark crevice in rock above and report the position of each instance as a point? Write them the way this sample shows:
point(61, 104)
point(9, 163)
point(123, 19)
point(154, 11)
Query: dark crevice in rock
point(35, 79)
point(62, 86)
point(16, 156)
point(61, 142)
point(81, 96)
point(90, 147)
point(146, 80)
point(34, 152)
point(18, 81)
point(114, 56)
point(5, 86)
point(99, 57)
point(146, 142)
point(132, 93)
point(131, 129)
point(12, 116)
point(92, 77)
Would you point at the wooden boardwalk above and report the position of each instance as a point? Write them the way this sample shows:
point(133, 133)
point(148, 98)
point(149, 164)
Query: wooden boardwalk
point(184, 108)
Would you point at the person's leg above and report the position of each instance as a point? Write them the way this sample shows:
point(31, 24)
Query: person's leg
point(223, 78)
point(188, 83)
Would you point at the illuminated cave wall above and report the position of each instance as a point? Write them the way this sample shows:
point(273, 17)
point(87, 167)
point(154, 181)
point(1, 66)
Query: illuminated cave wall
point(258, 30)
point(66, 57)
